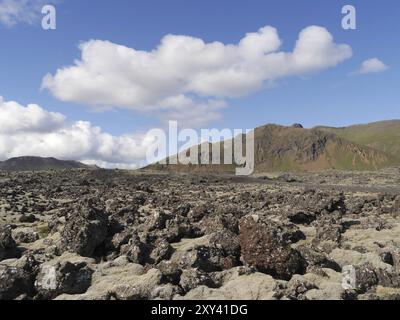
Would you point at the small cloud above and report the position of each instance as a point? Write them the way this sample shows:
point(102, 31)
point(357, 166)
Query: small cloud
point(373, 65)
point(13, 12)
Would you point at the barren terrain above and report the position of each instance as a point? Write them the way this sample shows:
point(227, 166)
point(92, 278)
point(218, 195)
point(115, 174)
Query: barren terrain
point(98, 234)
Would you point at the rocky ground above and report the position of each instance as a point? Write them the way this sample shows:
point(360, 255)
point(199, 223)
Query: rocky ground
point(96, 234)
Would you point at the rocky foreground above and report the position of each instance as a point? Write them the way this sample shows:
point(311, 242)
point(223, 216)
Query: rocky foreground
point(84, 234)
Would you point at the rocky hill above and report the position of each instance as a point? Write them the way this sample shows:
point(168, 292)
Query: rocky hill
point(279, 148)
point(39, 164)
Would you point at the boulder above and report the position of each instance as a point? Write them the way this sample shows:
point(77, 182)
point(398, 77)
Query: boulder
point(61, 276)
point(121, 283)
point(265, 245)
point(194, 278)
point(15, 282)
point(255, 286)
point(85, 230)
point(8, 247)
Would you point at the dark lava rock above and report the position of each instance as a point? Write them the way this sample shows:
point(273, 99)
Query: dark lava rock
point(8, 247)
point(320, 202)
point(120, 239)
point(387, 257)
point(329, 230)
point(301, 217)
point(136, 250)
point(198, 212)
point(215, 223)
point(229, 249)
point(122, 217)
point(194, 278)
point(62, 278)
point(171, 272)
point(157, 221)
point(84, 231)
point(265, 247)
point(162, 251)
point(317, 258)
point(221, 251)
point(27, 218)
point(14, 282)
point(297, 287)
point(366, 278)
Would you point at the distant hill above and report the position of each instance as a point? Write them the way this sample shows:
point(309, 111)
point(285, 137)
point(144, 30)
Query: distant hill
point(39, 164)
point(383, 135)
point(279, 148)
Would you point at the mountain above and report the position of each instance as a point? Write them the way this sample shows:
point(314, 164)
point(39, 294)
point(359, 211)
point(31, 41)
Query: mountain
point(279, 148)
point(39, 164)
point(383, 135)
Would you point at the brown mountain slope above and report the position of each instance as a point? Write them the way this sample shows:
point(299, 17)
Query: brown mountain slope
point(279, 148)
point(382, 135)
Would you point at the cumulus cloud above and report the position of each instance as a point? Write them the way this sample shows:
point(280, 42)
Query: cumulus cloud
point(198, 76)
point(373, 65)
point(13, 12)
point(16, 118)
point(31, 130)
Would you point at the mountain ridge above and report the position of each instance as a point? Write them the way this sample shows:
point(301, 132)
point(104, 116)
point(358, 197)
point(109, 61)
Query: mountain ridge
point(31, 163)
point(380, 135)
point(294, 148)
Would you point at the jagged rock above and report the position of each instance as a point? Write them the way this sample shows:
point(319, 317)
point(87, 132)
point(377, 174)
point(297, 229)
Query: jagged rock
point(26, 237)
point(215, 252)
point(165, 292)
point(198, 213)
point(229, 249)
point(15, 282)
point(120, 283)
point(170, 270)
point(320, 202)
point(365, 278)
point(317, 258)
point(84, 231)
point(121, 239)
point(157, 221)
point(215, 223)
point(31, 218)
point(193, 278)
point(8, 247)
point(162, 251)
point(297, 287)
point(329, 230)
point(265, 246)
point(255, 286)
point(301, 217)
point(136, 250)
point(63, 277)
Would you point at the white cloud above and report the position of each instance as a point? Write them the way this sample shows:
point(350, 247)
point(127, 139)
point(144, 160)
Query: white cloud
point(187, 69)
point(34, 131)
point(373, 65)
point(16, 118)
point(13, 12)
point(190, 113)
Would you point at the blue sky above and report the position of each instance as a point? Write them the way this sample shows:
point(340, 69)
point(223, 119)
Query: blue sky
point(330, 96)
